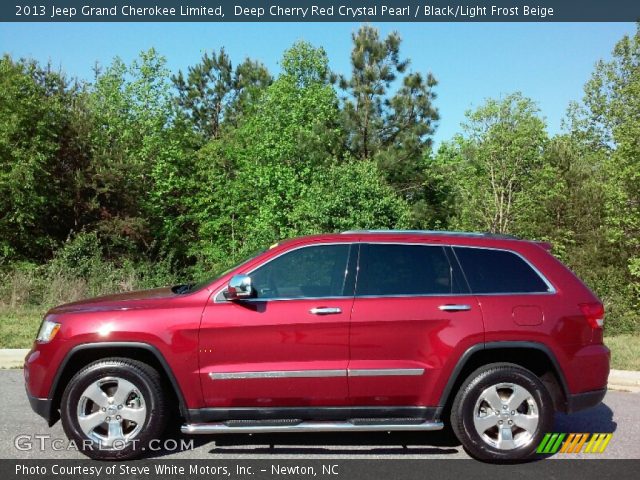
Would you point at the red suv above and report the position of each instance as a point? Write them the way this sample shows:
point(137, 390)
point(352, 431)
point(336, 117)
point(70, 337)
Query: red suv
point(359, 331)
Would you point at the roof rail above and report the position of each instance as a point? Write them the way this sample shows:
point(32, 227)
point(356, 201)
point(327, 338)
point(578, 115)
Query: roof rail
point(436, 232)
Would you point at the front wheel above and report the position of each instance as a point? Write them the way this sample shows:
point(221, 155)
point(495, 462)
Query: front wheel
point(113, 408)
point(501, 413)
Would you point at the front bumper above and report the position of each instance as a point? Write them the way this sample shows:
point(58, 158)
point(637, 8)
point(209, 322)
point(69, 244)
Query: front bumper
point(581, 401)
point(43, 407)
point(38, 376)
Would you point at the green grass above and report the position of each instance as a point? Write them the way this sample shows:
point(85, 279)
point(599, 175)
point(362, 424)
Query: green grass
point(625, 351)
point(18, 327)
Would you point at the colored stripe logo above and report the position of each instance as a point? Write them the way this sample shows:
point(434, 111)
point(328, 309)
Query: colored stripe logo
point(574, 443)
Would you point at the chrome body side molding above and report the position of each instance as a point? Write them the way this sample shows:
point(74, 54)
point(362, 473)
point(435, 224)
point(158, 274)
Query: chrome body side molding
point(384, 372)
point(277, 374)
point(359, 372)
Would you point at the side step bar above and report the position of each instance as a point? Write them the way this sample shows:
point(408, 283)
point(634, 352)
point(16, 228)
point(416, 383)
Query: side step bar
point(211, 428)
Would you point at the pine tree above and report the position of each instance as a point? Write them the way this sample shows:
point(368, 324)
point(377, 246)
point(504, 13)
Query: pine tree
point(392, 128)
point(213, 92)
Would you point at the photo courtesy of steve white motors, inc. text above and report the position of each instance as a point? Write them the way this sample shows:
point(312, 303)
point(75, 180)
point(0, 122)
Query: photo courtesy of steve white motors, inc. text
point(169, 469)
point(239, 11)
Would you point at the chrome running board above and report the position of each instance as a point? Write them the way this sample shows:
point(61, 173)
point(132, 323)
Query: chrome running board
point(211, 428)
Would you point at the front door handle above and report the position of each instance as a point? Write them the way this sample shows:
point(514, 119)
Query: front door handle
point(325, 311)
point(454, 308)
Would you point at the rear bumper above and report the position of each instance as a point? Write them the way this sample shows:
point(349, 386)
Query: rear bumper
point(587, 369)
point(582, 401)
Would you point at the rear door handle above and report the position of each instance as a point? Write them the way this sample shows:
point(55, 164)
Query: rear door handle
point(325, 311)
point(454, 308)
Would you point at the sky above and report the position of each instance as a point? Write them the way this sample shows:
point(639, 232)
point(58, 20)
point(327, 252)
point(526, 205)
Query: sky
point(548, 62)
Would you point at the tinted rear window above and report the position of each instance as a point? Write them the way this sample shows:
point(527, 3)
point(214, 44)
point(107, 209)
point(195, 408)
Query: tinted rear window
point(498, 271)
point(387, 269)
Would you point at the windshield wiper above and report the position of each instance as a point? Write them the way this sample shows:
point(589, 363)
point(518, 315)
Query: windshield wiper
point(183, 288)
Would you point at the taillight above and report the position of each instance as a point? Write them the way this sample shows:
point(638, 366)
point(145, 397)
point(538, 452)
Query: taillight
point(594, 313)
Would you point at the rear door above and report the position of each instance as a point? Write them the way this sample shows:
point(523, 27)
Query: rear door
point(411, 312)
point(515, 297)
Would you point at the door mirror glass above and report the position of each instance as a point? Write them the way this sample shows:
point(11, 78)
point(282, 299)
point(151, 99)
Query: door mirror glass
point(239, 288)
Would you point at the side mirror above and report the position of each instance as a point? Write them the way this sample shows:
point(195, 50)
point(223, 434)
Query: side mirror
point(239, 288)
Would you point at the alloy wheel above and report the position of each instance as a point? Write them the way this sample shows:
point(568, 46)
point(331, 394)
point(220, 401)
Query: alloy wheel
point(506, 416)
point(112, 412)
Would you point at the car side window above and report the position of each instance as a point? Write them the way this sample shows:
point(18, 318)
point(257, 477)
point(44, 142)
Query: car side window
point(308, 272)
point(498, 271)
point(400, 269)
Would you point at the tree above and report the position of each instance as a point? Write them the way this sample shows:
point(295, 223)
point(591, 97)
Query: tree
point(253, 174)
point(348, 196)
point(281, 173)
point(608, 119)
point(394, 129)
point(132, 148)
point(39, 157)
point(213, 91)
point(495, 160)
point(612, 99)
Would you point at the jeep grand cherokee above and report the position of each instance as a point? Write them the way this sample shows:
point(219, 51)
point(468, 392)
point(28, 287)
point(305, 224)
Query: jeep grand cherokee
point(360, 331)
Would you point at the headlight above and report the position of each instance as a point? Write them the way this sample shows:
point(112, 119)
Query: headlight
point(48, 330)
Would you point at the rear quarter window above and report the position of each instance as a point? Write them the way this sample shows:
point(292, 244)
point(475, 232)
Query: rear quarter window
point(498, 271)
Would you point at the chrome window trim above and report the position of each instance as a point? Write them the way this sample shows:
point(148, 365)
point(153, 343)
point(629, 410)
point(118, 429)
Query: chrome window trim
point(417, 295)
point(287, 299)
point(440, 295)
point(549, 285)
point(551, 290)
point(319, 244)
point(358, 372)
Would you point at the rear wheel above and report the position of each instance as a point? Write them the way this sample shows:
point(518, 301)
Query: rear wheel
point(112, 408)
point(501, 413)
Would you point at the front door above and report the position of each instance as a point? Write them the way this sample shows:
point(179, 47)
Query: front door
point(412, 311)
point(288, 346)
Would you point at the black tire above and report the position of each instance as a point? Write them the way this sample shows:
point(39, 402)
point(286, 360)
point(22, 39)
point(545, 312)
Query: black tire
point(147, 400)
point(471, 408)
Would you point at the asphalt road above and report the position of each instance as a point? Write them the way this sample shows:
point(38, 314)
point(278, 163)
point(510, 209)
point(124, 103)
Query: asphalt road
point(620, 414)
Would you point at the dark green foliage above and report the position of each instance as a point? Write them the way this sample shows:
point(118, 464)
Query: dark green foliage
point(492, 166)
point(504, 174)
point(40, 151)
point(281, 169)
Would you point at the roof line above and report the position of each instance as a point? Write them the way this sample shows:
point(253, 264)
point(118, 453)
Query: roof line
point(435, 232)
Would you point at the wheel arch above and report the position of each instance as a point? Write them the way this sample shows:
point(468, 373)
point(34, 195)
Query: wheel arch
point(533, 356)
point(81, 355)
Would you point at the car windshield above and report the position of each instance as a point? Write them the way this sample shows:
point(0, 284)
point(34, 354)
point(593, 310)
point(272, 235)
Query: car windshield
point(192, 287)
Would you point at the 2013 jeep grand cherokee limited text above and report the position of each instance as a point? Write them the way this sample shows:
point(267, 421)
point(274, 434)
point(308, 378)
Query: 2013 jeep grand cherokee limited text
point(360, 331)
